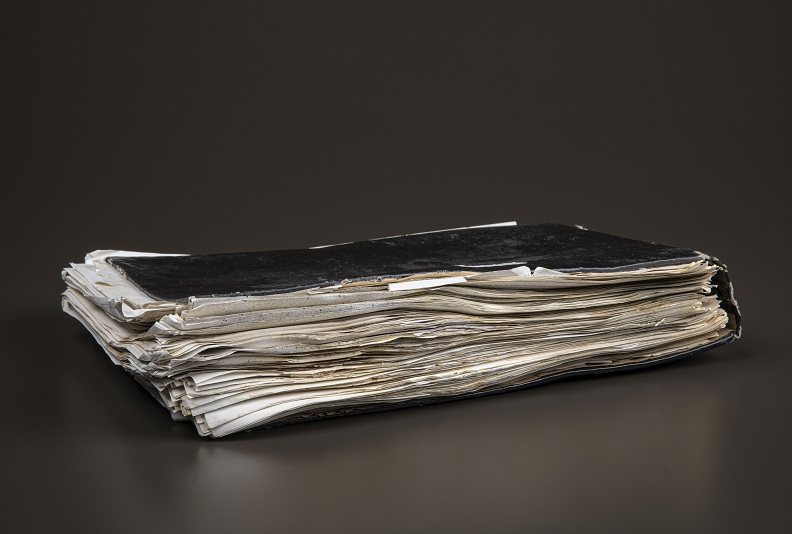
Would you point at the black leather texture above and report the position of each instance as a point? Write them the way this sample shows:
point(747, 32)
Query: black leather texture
point(552, 246)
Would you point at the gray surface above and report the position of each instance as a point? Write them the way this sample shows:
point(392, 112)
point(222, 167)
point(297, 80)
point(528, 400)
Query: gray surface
point(213, 130)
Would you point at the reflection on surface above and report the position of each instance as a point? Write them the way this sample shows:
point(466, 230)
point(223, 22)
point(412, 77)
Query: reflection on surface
point(655, 439)
point(529, 448)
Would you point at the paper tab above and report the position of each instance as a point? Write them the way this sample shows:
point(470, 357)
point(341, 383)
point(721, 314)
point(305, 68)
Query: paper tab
point(423, 284)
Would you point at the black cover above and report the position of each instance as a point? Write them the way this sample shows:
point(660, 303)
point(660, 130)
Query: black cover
point(552, 246)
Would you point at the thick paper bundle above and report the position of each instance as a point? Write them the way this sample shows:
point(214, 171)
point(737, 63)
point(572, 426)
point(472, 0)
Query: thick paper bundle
point(235, 341)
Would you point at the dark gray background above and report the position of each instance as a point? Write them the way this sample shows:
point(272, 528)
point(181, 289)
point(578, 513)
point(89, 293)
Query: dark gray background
point(191, 127)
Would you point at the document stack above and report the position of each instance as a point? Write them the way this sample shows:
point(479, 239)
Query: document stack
point(237, 341)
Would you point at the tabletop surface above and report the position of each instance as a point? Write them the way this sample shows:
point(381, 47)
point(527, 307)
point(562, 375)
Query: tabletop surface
point(208, 128)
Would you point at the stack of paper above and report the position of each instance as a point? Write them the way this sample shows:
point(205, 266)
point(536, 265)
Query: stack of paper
point(409, 330)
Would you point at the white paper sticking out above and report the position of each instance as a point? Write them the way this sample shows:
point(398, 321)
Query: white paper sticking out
point(509, 223)
point(492, 265)
point(517, 271)
point(541, 271)
point(522, 271)
point(127, 311)
point(333, 245)
point(424, 284)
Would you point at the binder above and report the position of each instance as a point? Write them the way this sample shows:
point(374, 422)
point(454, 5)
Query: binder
point(259, 339)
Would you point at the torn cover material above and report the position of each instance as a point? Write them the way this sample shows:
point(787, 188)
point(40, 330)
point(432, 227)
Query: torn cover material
point(237, 341)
